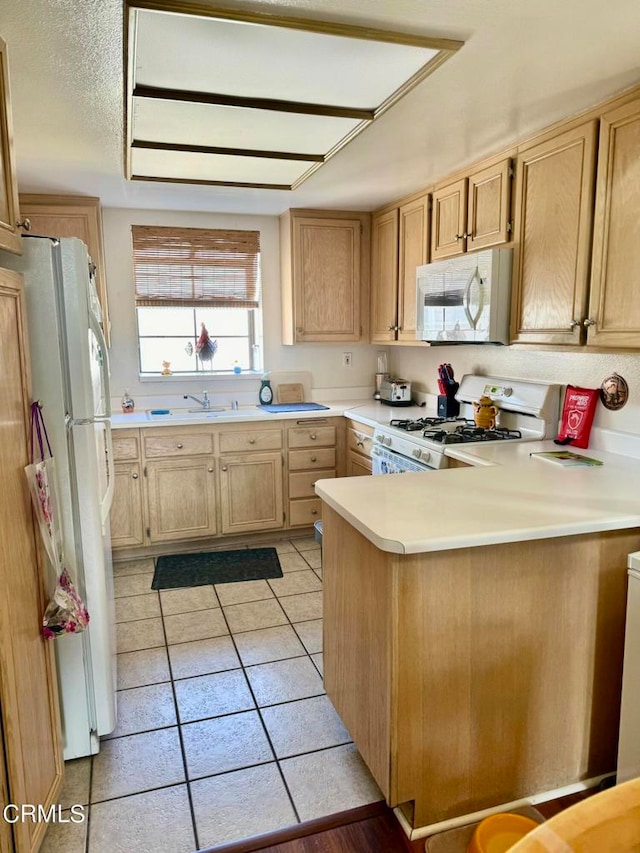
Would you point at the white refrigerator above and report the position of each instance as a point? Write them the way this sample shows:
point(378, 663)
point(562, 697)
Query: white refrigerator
point(70, 377)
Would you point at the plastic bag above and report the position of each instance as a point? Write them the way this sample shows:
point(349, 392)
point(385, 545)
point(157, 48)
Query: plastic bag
point(65, 613)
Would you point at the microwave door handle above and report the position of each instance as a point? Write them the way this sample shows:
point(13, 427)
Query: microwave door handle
point(473, 319)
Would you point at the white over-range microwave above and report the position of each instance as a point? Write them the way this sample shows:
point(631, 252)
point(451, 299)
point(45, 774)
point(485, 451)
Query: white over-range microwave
point(465, 300)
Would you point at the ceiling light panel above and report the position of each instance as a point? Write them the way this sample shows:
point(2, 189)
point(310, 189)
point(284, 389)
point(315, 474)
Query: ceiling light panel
point(237, 127)
point(258, 61)
point(215, 167)
point(244, 98)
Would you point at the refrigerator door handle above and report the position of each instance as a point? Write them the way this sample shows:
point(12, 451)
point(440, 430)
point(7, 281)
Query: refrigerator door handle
point(111, 479)
point(96, 328)
point(99, 419)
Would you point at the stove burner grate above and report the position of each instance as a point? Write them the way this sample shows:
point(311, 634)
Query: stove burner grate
point(468, 432)
point(422, 423)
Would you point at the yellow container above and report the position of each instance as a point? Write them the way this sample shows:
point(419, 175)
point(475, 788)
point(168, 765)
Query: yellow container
point(499, 832)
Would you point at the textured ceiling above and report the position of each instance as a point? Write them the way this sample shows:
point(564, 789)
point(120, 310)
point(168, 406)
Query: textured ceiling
point(524, 65)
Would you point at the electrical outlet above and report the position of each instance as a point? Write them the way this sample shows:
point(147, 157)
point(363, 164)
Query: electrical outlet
point(346, 359)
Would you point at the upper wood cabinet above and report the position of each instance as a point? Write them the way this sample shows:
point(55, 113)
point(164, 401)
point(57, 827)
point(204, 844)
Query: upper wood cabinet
point(554, 205)
point(10, 238)
point(72, 216)
point(399, 244)
point(324, 258)
point(472, 212)
point(614, 304)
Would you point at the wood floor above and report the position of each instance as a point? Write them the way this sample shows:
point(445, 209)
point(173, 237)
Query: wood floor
point(370, 829)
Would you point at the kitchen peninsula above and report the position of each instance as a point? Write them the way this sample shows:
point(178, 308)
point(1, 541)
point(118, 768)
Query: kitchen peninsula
point(474, 625)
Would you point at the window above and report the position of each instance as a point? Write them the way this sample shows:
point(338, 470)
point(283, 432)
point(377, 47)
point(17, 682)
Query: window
point(188, 280)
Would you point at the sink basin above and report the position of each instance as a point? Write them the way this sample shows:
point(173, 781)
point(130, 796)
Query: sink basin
point(185, 414)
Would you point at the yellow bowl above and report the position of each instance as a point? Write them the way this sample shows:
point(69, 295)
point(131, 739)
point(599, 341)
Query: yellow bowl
point(499, 832)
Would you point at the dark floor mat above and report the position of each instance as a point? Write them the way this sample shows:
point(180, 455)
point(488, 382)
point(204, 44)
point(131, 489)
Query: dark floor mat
point(208, 567)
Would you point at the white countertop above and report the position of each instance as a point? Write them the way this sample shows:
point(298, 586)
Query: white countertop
point(518, 499)
point(182, 417)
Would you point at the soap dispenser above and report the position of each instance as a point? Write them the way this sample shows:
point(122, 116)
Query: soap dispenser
point(127, 403)
point(265, 394)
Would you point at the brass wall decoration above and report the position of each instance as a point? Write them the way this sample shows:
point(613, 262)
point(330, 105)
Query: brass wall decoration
point(614, 392)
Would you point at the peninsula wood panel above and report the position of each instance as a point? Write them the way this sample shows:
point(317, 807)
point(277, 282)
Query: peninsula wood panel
point(488, 215)
point(384, 276)
point(251, 492)
point(181, 498)
point(358, 640)
point(449, 220)
point(474, 677)
point(126, 519)
point(73, 216)
point(413, 252)
point(28, 687)
point(10, 237)
point(614, 303)
point(554, 215)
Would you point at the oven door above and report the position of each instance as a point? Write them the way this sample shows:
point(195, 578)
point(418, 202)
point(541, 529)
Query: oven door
point(388, 462)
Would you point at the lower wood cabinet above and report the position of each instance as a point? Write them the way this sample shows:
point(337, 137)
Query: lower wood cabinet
point(359, 445)
point(127, 526)
point(251, 492)
point(182, 498)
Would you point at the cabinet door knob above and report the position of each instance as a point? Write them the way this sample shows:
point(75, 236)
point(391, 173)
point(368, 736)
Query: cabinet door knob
point(24, 223)
point(314, 458)
point(313, 436)
point(393, 328)
point(300, 330)
point(461, 236)
point(224, 468)
point(252, 441)
point(179, 446)
point(359, 442)
point(314, 512)
point(210, 470)
point(573, 324)
point(134, 476)
point(588, 322)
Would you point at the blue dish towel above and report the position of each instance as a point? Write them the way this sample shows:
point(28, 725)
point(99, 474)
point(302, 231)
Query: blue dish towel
point(274, 408)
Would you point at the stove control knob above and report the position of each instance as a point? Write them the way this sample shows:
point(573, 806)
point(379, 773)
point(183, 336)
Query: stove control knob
point(425, 455)
point(507, 392)
point(387, 441)
point(417, 453)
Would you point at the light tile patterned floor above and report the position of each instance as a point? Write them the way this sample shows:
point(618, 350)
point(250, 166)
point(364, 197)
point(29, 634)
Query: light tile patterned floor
point(224, 728)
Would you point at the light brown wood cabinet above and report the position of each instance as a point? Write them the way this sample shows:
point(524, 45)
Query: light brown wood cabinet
point(315, 451)
point(72, 216)
point(31, 766)
point(472, 212)
point(359, 445)
point(181, 498)
point(614, 306)
point(324, 257)
point(127, 525)
point(251, 492)
point(10, 237)
point(554, 214)
point(399, 244)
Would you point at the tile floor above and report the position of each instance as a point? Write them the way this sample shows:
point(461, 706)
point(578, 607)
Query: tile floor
point(224, 729)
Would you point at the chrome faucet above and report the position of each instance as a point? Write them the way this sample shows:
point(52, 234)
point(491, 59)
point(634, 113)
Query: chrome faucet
point(205, 402)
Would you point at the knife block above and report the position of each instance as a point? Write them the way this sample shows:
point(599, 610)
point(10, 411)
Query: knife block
point(448, 407)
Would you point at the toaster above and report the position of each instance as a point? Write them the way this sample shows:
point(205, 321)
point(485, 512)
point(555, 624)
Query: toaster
point(395, 392)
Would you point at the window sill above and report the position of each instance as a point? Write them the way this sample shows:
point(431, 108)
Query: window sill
point(201, 377)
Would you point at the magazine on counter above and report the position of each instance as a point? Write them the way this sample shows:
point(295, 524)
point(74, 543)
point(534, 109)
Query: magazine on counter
point(566, 458)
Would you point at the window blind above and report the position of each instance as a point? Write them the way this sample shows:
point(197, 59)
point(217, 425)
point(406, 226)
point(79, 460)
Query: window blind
point(196, 267)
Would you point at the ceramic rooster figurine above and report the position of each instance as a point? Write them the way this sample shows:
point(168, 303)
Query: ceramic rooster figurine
point(205, 347)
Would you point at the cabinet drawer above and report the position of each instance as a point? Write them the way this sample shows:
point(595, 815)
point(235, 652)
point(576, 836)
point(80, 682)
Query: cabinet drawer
point(255, 439)
point(304, 512)
point(323, 457)
point(360, 439)
point(178, 445)
point(125, 448)
point(301, 483)
point(312, 436)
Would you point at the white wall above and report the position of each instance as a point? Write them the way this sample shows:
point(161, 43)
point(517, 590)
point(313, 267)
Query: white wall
point(584, 369)
point(323, 361)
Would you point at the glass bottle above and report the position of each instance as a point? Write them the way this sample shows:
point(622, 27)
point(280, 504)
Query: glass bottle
point(128, 404)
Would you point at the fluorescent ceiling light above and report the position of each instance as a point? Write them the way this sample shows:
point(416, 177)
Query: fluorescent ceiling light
point(244, 99)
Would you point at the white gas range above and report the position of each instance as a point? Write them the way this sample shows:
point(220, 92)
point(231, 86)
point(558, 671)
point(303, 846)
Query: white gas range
point(528, 411)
